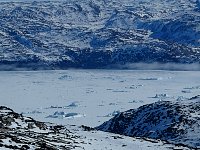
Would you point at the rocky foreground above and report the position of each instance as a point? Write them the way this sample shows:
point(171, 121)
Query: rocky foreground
point(20, 132)
point(176, 122)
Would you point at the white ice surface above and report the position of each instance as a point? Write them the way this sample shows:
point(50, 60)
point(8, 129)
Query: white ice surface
point(94, 94)
point(108, 141)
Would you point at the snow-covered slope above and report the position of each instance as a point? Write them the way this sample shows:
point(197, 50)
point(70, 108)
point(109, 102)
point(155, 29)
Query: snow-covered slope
point(19, 132)
point(176, 122)
point(94, 34)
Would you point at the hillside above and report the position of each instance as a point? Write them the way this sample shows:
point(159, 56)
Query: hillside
point(176, 122)
point(97, 34)
point(25, 133)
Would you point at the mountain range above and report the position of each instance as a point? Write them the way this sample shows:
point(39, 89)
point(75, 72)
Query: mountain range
point(98, 34)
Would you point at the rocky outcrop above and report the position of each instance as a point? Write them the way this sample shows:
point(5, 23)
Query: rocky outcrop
point(19, 132)
point(175, 122)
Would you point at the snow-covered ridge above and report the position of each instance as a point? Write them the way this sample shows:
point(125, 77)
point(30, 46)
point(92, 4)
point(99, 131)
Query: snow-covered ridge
point(176, 122)
point(20, 132)
point(94, 34)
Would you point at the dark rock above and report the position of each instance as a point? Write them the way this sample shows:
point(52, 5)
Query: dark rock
point(175, 122)
point(28, 132)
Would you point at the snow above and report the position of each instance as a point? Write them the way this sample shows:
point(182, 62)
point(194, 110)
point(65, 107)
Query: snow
point(175, 121)
point(103, 141)
point(117, 30)
point(93, 95)
point(89, 97)
point(96, 34)
point(69, 136)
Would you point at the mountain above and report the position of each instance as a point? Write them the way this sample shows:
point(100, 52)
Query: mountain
point(97, 34)
point(175, 122)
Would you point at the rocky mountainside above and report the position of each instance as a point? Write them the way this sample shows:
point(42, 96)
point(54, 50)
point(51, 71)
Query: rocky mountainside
point(95, 34)
point(175, 122)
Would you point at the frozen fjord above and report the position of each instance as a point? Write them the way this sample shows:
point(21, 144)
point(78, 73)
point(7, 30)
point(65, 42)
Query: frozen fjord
point(90, 97)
